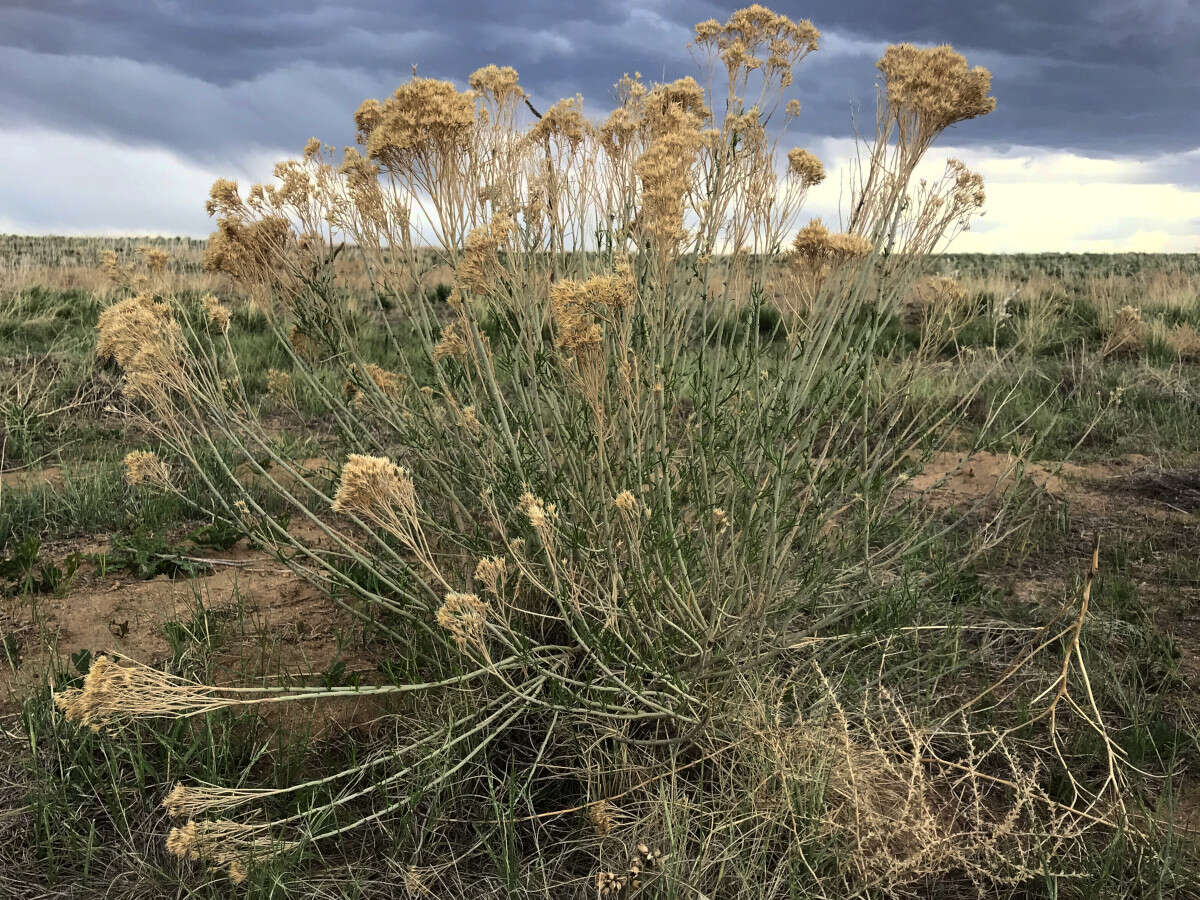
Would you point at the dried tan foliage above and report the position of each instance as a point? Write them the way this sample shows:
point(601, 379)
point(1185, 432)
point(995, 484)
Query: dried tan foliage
point(373, 486)
point(145, 468)
point(1184, 341)
point(1126, 332)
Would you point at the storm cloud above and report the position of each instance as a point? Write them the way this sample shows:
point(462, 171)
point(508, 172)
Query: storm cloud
point(220, 85)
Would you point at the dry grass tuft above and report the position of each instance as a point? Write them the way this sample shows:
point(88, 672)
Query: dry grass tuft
point(1126, 332)
point(1184, 341)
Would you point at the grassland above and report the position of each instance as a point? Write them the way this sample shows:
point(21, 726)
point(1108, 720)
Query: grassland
point(89, 564)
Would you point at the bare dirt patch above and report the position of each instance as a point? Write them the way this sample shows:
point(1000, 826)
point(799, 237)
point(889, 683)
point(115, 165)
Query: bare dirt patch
point(22, 479)
point(950, 479)
point(1150, 515)
point(271, 620)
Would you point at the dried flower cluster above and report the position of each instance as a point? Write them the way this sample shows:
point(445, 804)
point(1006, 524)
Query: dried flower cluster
point(575, 306)
point(480, 266)
point(626, 502)
point(541, 515)
point(720, 519)
point(453, 342)
point(805, 166)
point(249, 251)
point(643, 863)
point(967, 195)
point(153, 263)
point(423, 119)
point(1126, 333)
point(389, 383)
point(674, 115)
point(1184, 341)
point(123, 329)
point(118, 274)
point(931, 89)
point(115, 693)
point(375, 487)
point(490, 572)
point(224, 843)
point(143, 338)
point(279, 384)
point(755, 38)
point(816, 247)
point(155, 259)
point(497, 82)
point(189, 801)
point(218, 314)
point(464, 616)
point(602, 818)
point(563, 121)
point(145, 468)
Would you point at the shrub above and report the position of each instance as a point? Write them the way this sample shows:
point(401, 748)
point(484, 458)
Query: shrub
point(637, 585)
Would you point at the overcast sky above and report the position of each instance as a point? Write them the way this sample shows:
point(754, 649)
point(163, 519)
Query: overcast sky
point(119, 114)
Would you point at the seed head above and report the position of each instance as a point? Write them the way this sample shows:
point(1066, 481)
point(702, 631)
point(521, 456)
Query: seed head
point(665, 170)
point(600, 814)
point(375, 487)
point(934, 86)
point(114, 693)
point(464, 616)
point(278, 383)
point(424, 119)
point(497, 83)
point(453, 343)
point(124, 328)
point(142, 337)
point(388, 383)
point(816, 246)
point(218, 315)
point(755, 38)
point(224, 843)
point(489, 572)
point(626, 502)
point(143, 467)
point(1184, 341)
point(249, 251)
point(223, 199)
point(720, 518)
point(181, 842)
point(563, 121)
point(155, 259)
point(469, 420)
point(480, 266)
point(540, 514)
point(805, 166)
point(1127, 333)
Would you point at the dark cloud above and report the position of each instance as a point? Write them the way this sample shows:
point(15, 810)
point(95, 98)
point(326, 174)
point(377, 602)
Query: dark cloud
point(210, 80)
